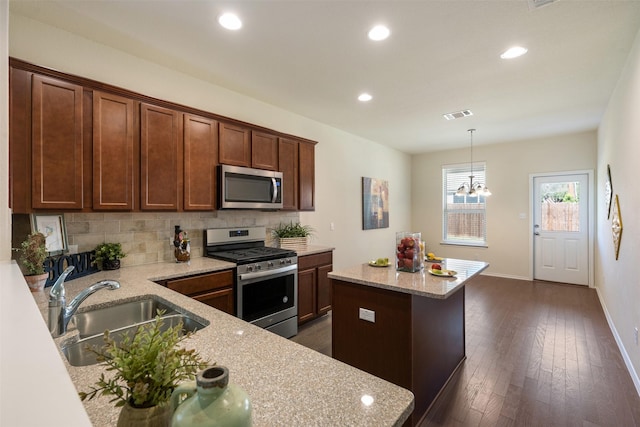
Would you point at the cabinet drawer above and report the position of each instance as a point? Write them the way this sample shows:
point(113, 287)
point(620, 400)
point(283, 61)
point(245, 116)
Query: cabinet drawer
point(198, 284)
point(310, 261)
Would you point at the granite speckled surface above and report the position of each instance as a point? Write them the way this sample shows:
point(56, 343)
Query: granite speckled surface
point(289, 385)
point(315, 249)
point(420, 283)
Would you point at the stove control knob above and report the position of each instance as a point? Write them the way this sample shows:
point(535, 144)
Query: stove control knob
point(288, 260)
point(258, 267)
point(249, 268)
point(281, 262)
point(270, 264)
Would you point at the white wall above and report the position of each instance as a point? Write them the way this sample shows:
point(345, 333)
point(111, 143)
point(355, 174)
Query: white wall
point(341, 158)
point(508, 168)
point(618, 282)
point(5, 213)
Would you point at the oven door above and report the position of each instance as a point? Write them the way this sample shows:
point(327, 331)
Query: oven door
point(266, 298)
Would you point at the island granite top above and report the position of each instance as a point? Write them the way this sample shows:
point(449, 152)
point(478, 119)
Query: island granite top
point(420, 283)
point(288, 384)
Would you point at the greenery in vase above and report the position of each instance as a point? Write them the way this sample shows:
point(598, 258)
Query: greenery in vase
point(108, 252)
point(146, 367)
point(34, 252)
point(292, 230)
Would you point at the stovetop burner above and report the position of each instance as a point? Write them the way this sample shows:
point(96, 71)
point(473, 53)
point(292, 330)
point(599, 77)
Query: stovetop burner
point(250, 255)
point(241, 245)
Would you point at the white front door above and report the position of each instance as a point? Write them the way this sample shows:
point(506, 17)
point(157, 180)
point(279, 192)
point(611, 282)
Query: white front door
point(561, 228)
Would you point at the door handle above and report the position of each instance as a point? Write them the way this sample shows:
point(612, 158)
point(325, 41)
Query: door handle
point(536, 233)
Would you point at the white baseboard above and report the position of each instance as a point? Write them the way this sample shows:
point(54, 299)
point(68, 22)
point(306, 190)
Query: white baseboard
point(505, 276)
point(623, 351)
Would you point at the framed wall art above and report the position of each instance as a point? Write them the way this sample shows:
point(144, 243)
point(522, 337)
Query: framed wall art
point(375, 203)
point(608, 192)
point(616, 226)
point(53, 228)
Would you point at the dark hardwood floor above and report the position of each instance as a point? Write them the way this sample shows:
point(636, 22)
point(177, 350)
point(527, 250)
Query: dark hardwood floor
point(538, 354)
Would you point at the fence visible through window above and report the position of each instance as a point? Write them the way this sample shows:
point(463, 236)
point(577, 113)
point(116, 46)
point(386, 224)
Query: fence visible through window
point(559, 207)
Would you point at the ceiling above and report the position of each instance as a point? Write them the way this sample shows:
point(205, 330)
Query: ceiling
point(314, 58)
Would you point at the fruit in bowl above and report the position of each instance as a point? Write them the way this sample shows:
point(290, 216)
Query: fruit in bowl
point(435, 267)
point(381, 262)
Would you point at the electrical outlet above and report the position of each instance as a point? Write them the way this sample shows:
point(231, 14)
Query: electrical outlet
point(332, 226)
point(368, 315)
point(635, 332)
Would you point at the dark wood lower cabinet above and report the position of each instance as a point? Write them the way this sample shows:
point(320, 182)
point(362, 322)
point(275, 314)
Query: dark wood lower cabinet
point(314, 287)
point(415, 342)
point(213, 289)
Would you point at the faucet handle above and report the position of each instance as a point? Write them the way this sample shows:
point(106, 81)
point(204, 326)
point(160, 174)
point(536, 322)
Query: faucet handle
point(57, 290)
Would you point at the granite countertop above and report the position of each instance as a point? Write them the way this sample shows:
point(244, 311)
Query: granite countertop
point(288, 384)
point(420, 283)
point(314, 249)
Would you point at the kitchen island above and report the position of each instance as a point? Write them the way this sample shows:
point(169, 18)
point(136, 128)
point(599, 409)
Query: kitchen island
point(288, 384)
point(407, 328)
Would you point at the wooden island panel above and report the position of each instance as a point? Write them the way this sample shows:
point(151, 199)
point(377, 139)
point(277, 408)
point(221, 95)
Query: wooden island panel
point(416, 342)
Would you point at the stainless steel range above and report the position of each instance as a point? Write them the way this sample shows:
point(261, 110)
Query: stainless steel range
point(266, 288)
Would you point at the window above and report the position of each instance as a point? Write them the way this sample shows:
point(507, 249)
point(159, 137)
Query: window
point(463, 217)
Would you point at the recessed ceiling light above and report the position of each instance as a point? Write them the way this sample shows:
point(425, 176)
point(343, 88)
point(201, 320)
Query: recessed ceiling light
point(230, 21)
point(379, 32)
point(514, 52)
point(364, 97)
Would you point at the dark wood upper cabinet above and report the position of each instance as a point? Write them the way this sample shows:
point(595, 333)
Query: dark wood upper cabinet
point(160, 158)
point(113, 146)
point(307, 180)
point(264, 151)
point(235, 145)
point(200, 159)
point(288, 165)
point(19, 141)
point(56, 144)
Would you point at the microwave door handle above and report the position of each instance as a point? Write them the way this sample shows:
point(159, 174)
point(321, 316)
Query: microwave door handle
point(275, 190)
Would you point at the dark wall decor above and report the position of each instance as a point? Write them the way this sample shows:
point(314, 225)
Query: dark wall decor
point(375, 203)
point(608, 192)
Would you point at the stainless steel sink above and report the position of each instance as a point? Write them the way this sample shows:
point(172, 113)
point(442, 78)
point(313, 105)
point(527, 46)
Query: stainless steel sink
point(119, 320)
point(97, 321)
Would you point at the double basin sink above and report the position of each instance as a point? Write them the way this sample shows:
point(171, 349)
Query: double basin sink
point(121, 319)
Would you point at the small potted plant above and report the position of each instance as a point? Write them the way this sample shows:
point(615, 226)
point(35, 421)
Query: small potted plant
point(144, 369)
point(292, 236)
point(33, 253)
point(108, 255)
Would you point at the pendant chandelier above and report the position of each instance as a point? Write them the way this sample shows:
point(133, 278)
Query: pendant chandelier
point(470, 188)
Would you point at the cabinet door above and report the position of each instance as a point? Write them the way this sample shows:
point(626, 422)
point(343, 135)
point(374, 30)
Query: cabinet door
point(19, 141)
point(324, 289)
point(235, 145)
point(306, 295)
point(200, 159)
point(264, 151)
point(160, 158)
point(306, 183)
point(288, 165)
point(221, 299)
point(56, 143)
point(112, 152)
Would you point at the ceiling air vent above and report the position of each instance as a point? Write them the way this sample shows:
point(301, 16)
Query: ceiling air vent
point(535, 4)
point(458, 114)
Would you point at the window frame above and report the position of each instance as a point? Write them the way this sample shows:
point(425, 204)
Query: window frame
point(453, 175)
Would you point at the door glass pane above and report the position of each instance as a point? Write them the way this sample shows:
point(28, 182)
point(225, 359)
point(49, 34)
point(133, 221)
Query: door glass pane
point(559, 206)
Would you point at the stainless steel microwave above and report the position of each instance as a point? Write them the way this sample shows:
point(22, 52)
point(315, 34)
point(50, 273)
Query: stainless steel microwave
point(247, 188)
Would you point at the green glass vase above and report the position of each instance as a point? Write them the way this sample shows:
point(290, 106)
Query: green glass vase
point(210, 401)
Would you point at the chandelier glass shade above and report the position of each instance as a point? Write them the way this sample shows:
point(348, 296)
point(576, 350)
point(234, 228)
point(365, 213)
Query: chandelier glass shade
point(470, 188)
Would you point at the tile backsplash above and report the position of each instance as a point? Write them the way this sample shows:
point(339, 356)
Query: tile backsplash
point(145, 237)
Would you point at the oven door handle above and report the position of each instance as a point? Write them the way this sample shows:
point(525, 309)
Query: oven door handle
point(258, 274)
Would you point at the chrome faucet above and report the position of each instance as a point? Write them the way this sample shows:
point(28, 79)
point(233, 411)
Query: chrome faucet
point(59, 312)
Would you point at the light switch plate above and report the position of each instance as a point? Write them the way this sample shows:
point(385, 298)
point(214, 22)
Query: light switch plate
point(368, 315)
